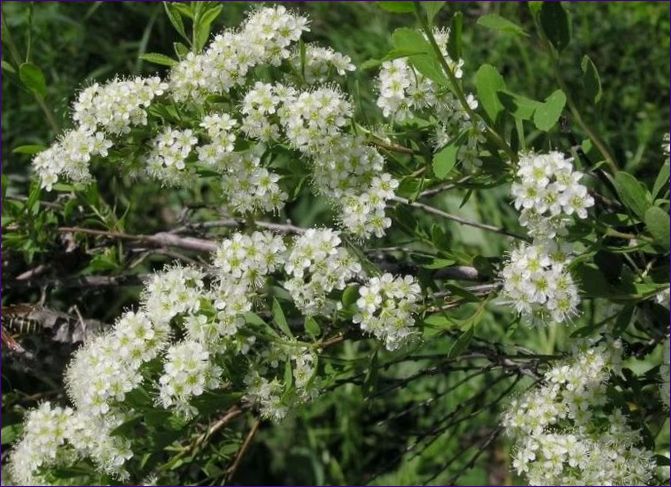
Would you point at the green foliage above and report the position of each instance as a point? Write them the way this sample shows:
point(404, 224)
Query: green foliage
point(379, 419)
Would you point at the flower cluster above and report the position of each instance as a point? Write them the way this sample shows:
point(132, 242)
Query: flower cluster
point(188, 371)
point(56, 436)
point(321, 63)
point(566, 433)
point(167, 159)
point(317, 265)
point(266, 396)
point(538, 284)
point(117, 105)
point(174, 291)
point(250, 258)
point(264, 38)
point(403, 91)
point(219, 128)
point(107, 368)
point(548, 192)
point(386, 306)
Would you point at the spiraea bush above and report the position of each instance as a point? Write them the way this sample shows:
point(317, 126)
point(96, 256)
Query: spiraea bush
point(332, 269)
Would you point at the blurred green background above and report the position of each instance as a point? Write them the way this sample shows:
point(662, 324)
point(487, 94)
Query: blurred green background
point(341, 438)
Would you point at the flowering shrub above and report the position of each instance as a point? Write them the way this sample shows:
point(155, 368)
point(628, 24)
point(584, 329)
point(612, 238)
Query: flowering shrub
point(264, 121)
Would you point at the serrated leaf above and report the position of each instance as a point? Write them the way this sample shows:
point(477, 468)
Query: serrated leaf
point(156, 58)
point(203, 25)
point(280, 319)
point(547, 113)
point(370, 64)
point(397, 7)
point(180, 49)
point(438, 264)
point(445, 160)
point(501, 24)
point(488, 82)
point(33, 78)
point(657, 223)
point(590, 79)
point(632, 193)
point(28, 149)
point(555, 24)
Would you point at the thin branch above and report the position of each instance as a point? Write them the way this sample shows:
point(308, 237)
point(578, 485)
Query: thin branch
point(442, 187)
point(458, 219)
point(231, 222)
point(230, 472)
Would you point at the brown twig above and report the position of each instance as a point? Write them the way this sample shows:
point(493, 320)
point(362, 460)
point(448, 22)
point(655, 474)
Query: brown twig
point(458, 219)
point(230, 472)
point(231, 222)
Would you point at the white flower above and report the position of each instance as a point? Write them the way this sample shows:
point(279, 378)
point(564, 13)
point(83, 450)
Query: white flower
point(548, 192)
point(386, 306)
point(537, 283)
point(167, 160)
point(321, 63)
point(188, 372)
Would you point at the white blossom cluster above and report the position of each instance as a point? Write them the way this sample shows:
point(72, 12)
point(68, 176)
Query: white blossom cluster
point(566, 433)
point(538, 284)
point(264, 38)
point(118, 105)
point(548, 193)
point(317, 265)
point(219, 128)
point(250, 258)
point(188, 371)
point(386, 306)
point(56, 436)
point(405, 93)
point(167, 159)
point(321, 63)
point(266, 395)
point(536, 277)
point(70, 156)
point(99, 112)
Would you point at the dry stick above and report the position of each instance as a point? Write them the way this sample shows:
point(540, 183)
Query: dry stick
point(458, 219)
point(442, 187)
point(230, 472)
point(231, 222)
point(162, 239)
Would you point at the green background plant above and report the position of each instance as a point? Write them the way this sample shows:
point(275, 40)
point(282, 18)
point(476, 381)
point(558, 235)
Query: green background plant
point(614, 69)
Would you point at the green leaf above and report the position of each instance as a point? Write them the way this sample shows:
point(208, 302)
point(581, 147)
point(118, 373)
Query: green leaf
point(11, 433)
point(555, 24)
point(633, 193)
point(312, 327)
point(461, 343)
point(445, 160)
point(547, 113)
point(156, 58)
point(203, 25)
point(410, 40)
point(397, 7)
point(498, 23)
point(180, 49)
point(590, 79)
point(280, 319)
point(657, 222)
point(488, 82)
point(28, 149)
point(370, 379)
point(454, 41)
point(592, 281)
point(432, 9)
point(33, 78)
point(175, 18)
point(438, 264)
point(518, 106)
point(350, 295)
point(8, 67)
point(661, 180)
point(370, 64)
